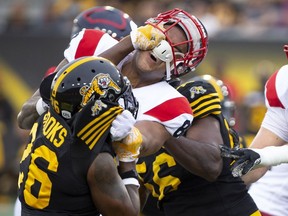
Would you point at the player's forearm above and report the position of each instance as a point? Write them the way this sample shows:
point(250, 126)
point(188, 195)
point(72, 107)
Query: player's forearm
point(28, 113)
point(254, 175)
point(119, 51)
point(127, 171)
point(198, 158)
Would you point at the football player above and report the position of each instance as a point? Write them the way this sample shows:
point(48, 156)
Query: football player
point(268, 148)
point(208, 188)
point(109, 20)
point(68, 166)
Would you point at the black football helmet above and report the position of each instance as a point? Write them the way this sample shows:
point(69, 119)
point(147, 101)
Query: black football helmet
point(197, 41)
point(88, 79)
point(105, 18)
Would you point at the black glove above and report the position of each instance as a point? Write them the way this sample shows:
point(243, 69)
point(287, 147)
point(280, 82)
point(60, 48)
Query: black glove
point(244, 159)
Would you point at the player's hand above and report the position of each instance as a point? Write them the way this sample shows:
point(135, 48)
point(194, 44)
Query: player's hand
point(122, 125)
point(128, 149)
point(244, 159)
point(146, 37)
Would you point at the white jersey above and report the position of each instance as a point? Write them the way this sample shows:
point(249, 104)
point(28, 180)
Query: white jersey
point(270, 192)
point(158, 102)
point(161, 103)
point(89, 42)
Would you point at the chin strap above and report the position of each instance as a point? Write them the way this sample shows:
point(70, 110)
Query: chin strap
point(163, 51)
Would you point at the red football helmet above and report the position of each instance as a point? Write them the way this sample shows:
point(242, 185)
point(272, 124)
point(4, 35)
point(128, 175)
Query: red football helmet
point(106, 18)
point(197, 41)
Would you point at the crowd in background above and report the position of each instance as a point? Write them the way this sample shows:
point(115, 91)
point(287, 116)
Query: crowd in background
point(224, 19)
point(252, 19)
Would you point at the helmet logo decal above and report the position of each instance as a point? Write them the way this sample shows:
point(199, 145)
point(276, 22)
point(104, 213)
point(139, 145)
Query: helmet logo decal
point(97, 107)
point(100, 85)
point(196, 90)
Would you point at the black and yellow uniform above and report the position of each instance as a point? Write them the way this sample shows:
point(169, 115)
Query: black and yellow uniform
point(60, 148)
point(181, 193)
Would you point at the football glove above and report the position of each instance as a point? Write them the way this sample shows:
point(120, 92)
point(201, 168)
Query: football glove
point(128, 149)
point(122, 125)
point(244, 159)
point(146, 37)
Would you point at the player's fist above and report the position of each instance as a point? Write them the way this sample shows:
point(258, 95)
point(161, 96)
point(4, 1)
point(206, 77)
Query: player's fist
point(128, 149)
point(146, 37)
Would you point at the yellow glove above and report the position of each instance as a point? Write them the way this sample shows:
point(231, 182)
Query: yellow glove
point(128, 149)
point(146, 37)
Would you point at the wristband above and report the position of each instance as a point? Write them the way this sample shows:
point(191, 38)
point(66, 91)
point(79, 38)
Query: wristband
point(41, 106)
point(131, 181)
point(129, 174)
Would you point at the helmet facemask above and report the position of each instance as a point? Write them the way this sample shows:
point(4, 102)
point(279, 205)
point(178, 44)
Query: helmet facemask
point(197, 41)
point(129, 101)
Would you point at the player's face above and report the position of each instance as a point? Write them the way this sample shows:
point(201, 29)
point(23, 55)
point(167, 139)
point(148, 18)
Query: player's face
point(147, 63)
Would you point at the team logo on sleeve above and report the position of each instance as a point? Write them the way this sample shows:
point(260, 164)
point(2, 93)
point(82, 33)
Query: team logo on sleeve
point(97, 107)
point(100, 85)
point(196, 90)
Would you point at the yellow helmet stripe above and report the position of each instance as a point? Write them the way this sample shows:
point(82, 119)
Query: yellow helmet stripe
point(68, 70)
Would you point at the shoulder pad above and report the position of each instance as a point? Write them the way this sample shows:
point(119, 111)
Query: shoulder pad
point(202, 97)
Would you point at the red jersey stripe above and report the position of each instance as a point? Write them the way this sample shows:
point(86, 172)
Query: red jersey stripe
point(163, 113)
point(89, 43)
point(271, 93)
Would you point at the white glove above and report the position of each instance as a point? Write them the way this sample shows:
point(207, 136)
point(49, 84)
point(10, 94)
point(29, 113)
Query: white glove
point(146, 37)
point(122, 125)
point(128, 149)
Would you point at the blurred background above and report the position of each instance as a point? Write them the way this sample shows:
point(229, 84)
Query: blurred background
point(246, 46)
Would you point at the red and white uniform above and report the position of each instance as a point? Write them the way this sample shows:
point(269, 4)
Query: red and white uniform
point(158, 102)
point(271, 191)
point(89, 42)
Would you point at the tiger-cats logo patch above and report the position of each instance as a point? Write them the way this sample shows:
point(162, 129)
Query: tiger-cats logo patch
point(100, 85)
point(97, 107)
point(196, 90)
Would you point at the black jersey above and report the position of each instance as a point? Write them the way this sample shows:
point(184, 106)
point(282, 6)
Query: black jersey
point(54, 165)
point(181, 193)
